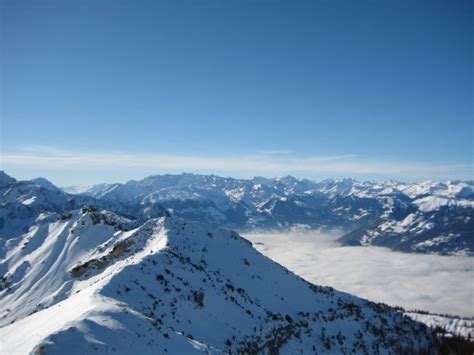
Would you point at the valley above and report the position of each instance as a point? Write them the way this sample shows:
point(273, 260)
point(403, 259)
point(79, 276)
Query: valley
point(434, 283)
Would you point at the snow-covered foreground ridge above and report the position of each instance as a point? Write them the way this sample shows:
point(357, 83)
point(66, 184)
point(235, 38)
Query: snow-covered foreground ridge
point(81, 283)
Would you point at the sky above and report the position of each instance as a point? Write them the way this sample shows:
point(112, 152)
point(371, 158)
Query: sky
point(111, 90)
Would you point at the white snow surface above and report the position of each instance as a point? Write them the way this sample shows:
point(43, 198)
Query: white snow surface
point(463, 326)
point(79, 285)
point(431, 203)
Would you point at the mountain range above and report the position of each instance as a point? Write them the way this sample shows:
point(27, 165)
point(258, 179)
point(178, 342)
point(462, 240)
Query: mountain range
point(425, 217)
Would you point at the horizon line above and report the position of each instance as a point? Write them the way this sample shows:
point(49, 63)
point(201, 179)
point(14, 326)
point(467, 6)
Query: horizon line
point(106, 166)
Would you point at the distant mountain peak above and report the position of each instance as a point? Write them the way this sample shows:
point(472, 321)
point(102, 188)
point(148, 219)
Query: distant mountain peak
point(41, 181)
point(6, 179)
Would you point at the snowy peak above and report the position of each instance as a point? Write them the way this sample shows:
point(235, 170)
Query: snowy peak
point(176, 286)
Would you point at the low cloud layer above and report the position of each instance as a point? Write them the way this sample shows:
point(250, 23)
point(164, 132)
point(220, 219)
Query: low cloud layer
point(428, 282)
point(265, 163)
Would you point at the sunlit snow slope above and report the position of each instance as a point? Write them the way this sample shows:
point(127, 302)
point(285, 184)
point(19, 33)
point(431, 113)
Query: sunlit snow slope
point(84, 283)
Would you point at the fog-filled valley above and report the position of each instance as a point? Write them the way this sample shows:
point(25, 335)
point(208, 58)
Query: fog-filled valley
point(435, 283)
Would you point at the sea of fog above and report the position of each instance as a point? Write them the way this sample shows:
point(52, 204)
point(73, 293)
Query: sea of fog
point(443, 284)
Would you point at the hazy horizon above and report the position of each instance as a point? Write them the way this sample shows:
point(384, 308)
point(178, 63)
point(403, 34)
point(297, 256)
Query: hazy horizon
point(249, 177)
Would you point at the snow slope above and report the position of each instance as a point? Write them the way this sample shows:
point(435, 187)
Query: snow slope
point(87, 284)
point(35, 266)
point(453, 325)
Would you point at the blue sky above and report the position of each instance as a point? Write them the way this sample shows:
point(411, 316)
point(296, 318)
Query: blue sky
point(111, 90)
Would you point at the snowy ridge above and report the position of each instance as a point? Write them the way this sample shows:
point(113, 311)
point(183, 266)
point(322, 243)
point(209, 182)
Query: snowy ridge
point(176, 286)
point(35, 266)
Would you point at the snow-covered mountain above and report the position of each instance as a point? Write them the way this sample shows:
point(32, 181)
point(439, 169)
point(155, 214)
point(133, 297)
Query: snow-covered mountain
point(419, 217)
point(90, 282)
point(436, 217)
point(24, 202)
point(422, 217)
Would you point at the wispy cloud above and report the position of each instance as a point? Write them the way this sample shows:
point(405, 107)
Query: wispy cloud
point(269, 163)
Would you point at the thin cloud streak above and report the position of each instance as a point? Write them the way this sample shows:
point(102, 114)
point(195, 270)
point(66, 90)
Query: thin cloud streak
point(264, 163)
